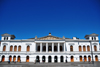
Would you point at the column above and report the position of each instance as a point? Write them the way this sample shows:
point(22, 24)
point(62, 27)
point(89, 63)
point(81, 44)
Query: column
point(46, 47)
point(58, 47)
point(64, 47)
point(46, 57)
point(58, 58)
point(52, 58)
point(52, 47)
point(40, 47)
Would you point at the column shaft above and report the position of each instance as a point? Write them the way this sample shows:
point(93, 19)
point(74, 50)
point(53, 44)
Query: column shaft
point(58, 47)
point(52, 47)
point(46, 47)
point(41, 47)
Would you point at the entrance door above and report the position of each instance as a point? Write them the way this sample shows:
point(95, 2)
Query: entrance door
point(55, 58)
point(10, 58)
point(80, 58)
point(96, 58)
point(61, 59)
point(27, 59)
point(85, 59)
point(72, 59)
point(49, 59)
point(14, 58)
point(18, 60)
point(43, 58)
point(3, 58)
point(89, 58)
point(37, 59)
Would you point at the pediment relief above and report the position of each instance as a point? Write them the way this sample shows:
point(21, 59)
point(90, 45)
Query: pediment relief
point(49, 38)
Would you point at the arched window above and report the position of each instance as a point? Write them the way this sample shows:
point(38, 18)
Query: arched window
point(28, 48)
point(88, 48)
point(80, 48)
point(11, 48)
point(18, 59)
point(4, 38)
point(4, 48)
point(15, 48)
point(19, 48)
point(71, 48)
point(95, 48)
point(84, 49)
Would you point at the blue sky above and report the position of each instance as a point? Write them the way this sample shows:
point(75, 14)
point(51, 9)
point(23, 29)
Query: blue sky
point(29, 18)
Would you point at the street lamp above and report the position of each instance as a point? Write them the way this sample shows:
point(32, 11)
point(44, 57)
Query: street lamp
point(91, 52)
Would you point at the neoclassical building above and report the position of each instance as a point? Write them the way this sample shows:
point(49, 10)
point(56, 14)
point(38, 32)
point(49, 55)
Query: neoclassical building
point(49, 49)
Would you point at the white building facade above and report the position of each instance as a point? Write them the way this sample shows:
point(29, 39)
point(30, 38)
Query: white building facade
point(49, 49)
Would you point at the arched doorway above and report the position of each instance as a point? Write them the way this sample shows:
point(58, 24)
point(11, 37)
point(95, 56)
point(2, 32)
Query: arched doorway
point(43, 58)
point(3, 58)
point(49, 59)
point(96, 58)
point(56, 59)
point(72, 59)
point(37, 58)
point(85, 58)
point(10, 58)
point(14, 58)
point(11, 48)
point(49, 48)
point(89, 58)
point(80, 48)
point(61, 48)
point(80, 58)
point(18, 59)
point(61, 59)
point(44, 48)
point(27, 59)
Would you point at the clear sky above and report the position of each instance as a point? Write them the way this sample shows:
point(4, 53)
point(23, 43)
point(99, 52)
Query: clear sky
point(29, 18)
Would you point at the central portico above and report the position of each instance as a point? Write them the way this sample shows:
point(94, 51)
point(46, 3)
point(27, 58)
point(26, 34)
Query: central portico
point(50, 47)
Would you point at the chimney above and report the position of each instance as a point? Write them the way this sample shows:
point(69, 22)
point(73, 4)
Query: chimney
point(35, 37)
point(49, 33)
point(74, 38)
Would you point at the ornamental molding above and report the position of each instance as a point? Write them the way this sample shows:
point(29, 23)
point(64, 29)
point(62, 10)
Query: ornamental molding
point(95, 44)
point(28, 44)
point(5, 44)
point(71, 43)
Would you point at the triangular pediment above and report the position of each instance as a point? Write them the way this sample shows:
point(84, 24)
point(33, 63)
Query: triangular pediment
point(49, 38)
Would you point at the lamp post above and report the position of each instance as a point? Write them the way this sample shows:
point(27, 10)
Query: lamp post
point(91, 52)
